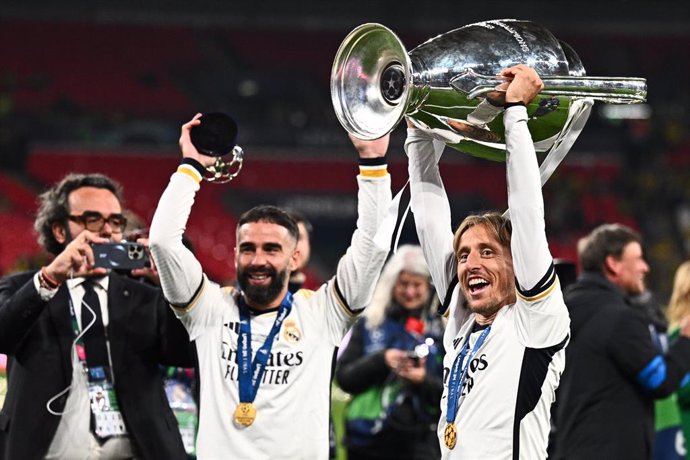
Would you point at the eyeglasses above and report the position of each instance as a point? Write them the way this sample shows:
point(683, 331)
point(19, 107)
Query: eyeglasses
point(94, 221)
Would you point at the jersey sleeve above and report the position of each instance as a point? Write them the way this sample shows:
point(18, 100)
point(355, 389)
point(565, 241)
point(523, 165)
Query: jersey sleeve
point(184, 285)
point(429, 204)
point(350, 290)
point(543, 318)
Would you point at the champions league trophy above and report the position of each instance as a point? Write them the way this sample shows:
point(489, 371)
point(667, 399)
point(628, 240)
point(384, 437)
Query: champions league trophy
point(216, 136)
point(448, 84)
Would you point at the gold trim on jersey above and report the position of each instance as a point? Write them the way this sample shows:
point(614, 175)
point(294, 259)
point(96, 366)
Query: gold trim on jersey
point(190, 171)
point(192, 303)
point(341, 302)
point(378, 172)
point(542, 294)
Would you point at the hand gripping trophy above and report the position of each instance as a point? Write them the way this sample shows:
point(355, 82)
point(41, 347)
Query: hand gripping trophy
point(448, 84)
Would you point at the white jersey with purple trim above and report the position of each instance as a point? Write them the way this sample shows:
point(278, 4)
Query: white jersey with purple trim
point(504, 405)
point(293, 399)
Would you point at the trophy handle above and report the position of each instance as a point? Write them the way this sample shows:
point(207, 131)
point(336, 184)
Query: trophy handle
point(221, 171)
point(615, 90)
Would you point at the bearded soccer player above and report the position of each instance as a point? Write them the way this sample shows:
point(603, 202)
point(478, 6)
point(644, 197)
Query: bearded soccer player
point(265, 354)
point(503, 364)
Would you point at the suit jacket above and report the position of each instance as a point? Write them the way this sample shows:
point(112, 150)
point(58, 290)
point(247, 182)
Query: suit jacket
point(602, 409)
point(37, 335)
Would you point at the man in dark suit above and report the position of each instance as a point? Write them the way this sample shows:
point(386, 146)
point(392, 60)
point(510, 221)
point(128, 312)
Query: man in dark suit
point(615, 364)
point(85, 344)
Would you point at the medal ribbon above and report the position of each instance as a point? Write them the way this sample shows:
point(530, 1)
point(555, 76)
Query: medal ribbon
point(457, 378)
point(251, 372)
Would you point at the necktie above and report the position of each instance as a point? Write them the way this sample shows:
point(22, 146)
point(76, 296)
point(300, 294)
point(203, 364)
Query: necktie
point(94, 338)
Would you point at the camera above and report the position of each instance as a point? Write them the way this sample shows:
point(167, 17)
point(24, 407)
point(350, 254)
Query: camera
point(120, 256)
point(420, 351)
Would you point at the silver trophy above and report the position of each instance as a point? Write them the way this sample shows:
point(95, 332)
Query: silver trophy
point(448, 84)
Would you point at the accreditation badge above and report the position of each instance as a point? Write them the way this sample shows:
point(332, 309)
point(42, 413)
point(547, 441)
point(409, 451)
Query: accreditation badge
point(107, 418)
point(245, 414)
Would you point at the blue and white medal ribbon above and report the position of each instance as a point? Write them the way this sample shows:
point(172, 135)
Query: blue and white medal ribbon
point(456, 381)
point(251, 372)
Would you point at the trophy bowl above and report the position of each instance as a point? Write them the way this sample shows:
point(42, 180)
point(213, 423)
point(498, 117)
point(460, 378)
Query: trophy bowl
point(449, 83)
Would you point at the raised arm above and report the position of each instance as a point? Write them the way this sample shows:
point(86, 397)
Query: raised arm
point(429, 204)
point(359, 269)
point(531, 257)
point(180, 272)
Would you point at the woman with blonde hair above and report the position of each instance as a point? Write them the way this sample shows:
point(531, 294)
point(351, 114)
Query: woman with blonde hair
point(677, 312)
point(393, 366)
point(679, 306)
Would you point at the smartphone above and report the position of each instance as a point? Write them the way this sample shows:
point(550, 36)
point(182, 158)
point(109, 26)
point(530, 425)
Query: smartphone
point(120, 256)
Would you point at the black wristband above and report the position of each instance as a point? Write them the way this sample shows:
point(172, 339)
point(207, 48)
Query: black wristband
point(378, 161)
point(194, 164)
point(508, 105)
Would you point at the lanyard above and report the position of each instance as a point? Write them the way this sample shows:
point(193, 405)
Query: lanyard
point(97, 373)
point(457, 378)
point(252, 371)
point(79, 333)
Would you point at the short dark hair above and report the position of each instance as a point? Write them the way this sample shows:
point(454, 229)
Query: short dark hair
point(496, 223)
point(273, 215)
point(605, 240)
point(301, 219)
point(54, 207)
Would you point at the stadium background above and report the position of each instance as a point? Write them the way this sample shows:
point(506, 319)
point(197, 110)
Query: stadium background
point(92, 86)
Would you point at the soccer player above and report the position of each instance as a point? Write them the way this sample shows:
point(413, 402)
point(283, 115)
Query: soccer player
point(503, 364)
point(265, 354)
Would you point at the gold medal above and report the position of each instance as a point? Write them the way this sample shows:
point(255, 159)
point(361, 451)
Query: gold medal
point(245, 414)
point(450, 435)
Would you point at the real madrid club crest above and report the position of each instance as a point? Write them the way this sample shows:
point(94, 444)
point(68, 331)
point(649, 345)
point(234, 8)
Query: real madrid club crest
point(291, 334)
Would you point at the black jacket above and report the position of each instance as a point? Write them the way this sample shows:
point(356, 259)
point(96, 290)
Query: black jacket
point(408, 431)
point(602, 409)
point(37, 336)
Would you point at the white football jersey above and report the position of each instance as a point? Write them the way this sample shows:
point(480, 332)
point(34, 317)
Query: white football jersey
point(504, 405)
point(294, 394)
point(505, 402)
point(293, 398)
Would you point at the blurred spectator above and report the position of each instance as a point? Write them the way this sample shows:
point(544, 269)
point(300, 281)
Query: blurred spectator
point(616, 366)
point(298, 277)
point(393, 366)
point(678, 310)
point(669, 442)
point(3, 377)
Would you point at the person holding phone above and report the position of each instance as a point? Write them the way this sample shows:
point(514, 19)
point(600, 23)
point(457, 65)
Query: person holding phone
point(393, 366)
point(84, 343)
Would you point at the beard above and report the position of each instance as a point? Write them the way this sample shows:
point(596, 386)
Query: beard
point(262, 295)
point(491, 307)
point(485, 310)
